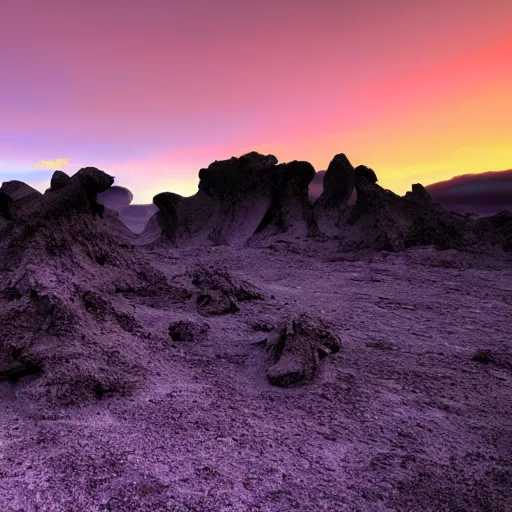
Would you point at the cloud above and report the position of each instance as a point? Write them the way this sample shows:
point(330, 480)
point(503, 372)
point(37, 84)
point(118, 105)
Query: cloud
point(116, 198)
point(485, 193)
point(58, 163)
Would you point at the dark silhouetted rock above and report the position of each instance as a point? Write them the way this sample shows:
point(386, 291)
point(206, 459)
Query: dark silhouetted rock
point(23, 196)
point(289, 211)
point(77, 195)
point(330, 208)
point(338, 182)
point(295, 352)
point(362, 172)
point(59, 180)
point(188, 330)
point(383, 220)
point(233, 197)
point(6, 206)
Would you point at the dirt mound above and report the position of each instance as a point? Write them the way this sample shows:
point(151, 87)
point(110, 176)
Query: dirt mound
point(67, 285)
point(188, 329)
point(219, 292)
point(294, 354)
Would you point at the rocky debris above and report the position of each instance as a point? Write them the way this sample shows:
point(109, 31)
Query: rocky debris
point(483, 356)
point(188, 330)
point(151, 288)
point(293, 355)
point(59, 180)
point(495, 231)
point(382, 220)
point(89, 361)
point(219, 292)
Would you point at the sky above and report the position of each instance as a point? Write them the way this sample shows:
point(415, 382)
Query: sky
point(151, 91)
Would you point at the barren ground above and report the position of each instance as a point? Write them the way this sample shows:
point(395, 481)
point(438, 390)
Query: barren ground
point(400, 419)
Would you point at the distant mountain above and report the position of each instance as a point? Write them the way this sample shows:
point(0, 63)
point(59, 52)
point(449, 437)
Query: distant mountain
point(485, 194)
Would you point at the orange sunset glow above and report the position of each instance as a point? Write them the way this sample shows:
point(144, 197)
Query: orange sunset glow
point(153, 91)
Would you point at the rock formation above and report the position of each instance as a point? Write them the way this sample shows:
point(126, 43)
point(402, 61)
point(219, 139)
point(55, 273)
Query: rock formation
point(6, 206)
point(382, 220)
point(294, 353)
point(22, 196)
point(495, 231)
point(238, 198)
point(289, 211)
point(59, 180)
point(338, 183)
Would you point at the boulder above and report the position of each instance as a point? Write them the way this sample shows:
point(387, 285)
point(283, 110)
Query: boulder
point(294, 353)
point(188, 330)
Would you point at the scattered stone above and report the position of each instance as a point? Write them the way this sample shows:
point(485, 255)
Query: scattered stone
point(219, 292)
point(483, 356)
point(295, 352)
point(59, 180)
point(188, 330)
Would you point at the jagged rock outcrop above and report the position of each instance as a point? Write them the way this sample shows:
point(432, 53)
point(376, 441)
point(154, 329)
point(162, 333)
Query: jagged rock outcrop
point(383, 220)
point(361, 172)
point(59, 180)
point(78, 195)
point(294, 353)
point(22, 195)
point(330, 208)
point(290, 211)
point(236, 199)
point(67, 288)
